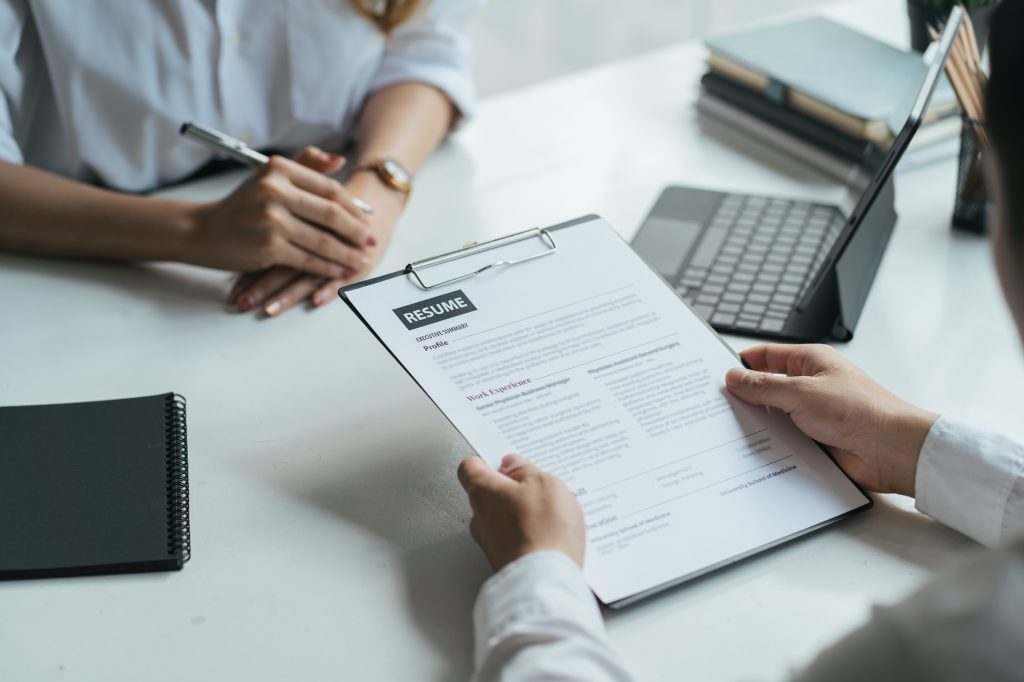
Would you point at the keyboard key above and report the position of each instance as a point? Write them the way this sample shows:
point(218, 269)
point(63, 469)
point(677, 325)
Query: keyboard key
point(707, 299)
point(784, 299)
point(714, 289)
point(767, 278)
point(695, 273)
point(753, 310)
point(793, 279)
point(723, 319)
point(733, 297)
point(763, 289)
point(738, 287)
point(708, 248)
point(771, 325)
point(729, 308)
point(759, 298)
point(691, 282)
point(720, 280)
point(776, 313)
point(750, 323)
point(743, 277)
point(788, 289)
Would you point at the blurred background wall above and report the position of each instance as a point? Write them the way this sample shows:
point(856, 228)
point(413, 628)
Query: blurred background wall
point(518, 42)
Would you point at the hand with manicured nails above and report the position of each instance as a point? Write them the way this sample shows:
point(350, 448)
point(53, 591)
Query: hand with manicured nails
point(519, 509)
point(287, 214)
point(873, 435)
point(282, 287)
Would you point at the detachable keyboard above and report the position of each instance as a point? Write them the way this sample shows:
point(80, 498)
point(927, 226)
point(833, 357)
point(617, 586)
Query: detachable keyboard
point(754, 260)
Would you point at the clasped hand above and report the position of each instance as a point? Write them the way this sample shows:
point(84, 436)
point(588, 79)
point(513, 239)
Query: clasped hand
point(873, 435)
point(285, 213)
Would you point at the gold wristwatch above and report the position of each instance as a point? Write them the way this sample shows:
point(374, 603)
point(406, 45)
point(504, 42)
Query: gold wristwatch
point(390, 172)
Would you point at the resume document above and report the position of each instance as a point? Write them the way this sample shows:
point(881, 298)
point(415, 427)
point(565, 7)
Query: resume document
point(588, 364)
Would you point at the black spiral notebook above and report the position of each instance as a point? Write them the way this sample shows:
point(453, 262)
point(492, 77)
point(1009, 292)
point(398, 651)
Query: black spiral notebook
point(91, 488)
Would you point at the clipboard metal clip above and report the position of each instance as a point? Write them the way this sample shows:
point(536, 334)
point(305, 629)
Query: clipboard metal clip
point(414, 269)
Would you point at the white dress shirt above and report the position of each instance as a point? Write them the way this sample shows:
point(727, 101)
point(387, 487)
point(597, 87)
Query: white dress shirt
point(97, 89)
point(536, 619)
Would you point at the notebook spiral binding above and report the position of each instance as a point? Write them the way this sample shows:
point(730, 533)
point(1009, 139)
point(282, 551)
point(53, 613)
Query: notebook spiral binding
point(179, 539)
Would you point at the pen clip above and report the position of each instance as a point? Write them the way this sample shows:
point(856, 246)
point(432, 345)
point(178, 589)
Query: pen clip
point(414, 269)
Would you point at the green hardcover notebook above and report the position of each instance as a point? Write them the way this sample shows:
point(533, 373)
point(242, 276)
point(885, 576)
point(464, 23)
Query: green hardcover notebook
point(861, 86)
point(90, 488)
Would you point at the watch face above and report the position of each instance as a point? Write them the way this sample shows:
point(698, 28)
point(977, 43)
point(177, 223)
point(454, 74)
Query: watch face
point(396, 171)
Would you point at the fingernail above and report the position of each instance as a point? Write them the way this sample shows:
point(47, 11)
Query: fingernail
point(318, 300)
point(362, 205)
point(334, 157)
point(246, 303)
point(346, 273)
point(371, 240)
point(273, 308)
point(734, 377)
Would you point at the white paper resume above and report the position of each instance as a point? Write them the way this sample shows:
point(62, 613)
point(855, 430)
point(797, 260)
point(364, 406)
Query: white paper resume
point(587, 363)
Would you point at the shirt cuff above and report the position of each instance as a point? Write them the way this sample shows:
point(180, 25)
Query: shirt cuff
point(535, 587)
point(9, 149)
point(965, 478)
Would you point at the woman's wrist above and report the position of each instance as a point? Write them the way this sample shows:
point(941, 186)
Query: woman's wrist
point(369, 187)
point(182, 224)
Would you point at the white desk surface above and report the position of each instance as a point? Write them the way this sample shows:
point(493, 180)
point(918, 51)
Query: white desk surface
point(328, 530)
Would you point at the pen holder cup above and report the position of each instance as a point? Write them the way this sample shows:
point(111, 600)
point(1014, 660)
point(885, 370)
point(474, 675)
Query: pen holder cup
point(970, 212)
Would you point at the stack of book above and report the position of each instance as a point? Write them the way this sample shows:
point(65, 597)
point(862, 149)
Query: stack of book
point(825, 94)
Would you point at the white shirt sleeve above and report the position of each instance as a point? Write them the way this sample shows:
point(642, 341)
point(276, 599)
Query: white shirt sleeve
point(12, 28)
point(972, 481)
point(432, 48)
point(536, 619)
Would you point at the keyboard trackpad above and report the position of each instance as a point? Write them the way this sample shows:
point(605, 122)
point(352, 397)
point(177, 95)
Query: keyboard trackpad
point(665, 243)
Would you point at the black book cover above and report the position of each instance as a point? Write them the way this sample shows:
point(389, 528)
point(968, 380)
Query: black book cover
point(794, 122)
point(90, 488)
